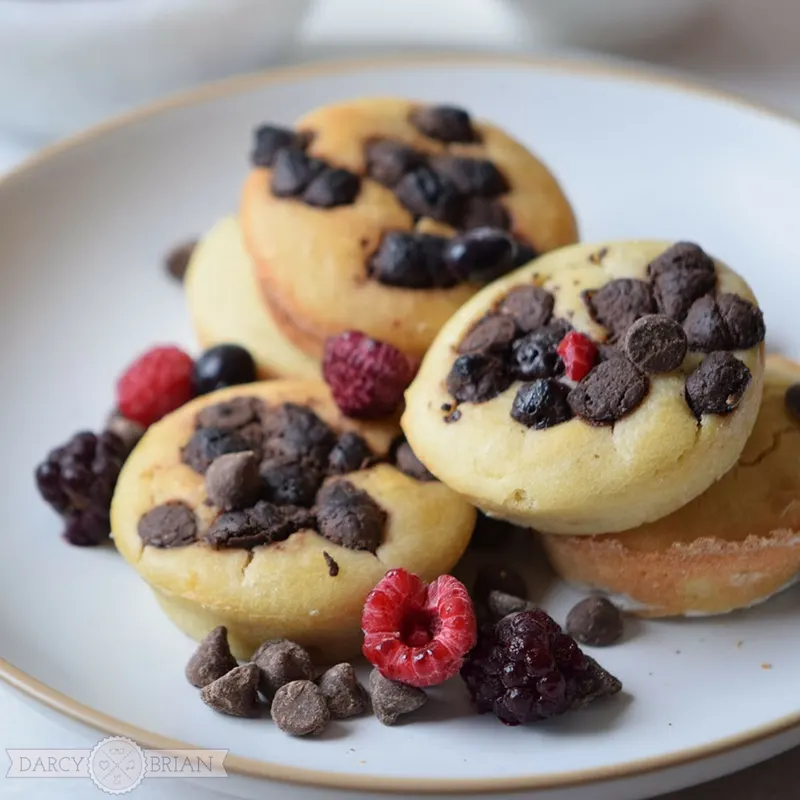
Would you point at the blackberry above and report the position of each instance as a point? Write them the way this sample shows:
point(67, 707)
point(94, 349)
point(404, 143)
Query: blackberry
point(78, 480)
point(525, 669)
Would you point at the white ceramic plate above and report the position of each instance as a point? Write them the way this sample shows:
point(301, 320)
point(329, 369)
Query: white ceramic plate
point(83, 229)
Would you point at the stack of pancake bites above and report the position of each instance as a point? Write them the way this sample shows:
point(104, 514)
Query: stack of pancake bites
point(412, 367)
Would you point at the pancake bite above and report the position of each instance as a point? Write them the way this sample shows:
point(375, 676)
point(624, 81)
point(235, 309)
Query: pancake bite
point(386, 215)
point(599, 388)
point(262, 508)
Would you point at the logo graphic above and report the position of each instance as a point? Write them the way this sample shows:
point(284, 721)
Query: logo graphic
point(116, 765)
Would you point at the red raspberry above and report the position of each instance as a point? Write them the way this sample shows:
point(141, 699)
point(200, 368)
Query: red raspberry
point(159, 381)
point(416, 633)
point(578, 352)
point(367, 377)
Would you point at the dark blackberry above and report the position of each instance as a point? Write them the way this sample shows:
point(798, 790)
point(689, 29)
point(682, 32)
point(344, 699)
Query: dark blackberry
point(525, 669)
point(78, 480)
point(535, 355)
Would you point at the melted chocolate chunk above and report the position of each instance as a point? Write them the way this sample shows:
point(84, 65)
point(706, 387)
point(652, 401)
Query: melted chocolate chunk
point(705, 327)
point(717, 385)
point(535, 355)
point(681, 275)
point(656, 344)
point(233, 481)
point(332, 187)
point(349, 454)
point(412, 260)
point(605, 352)
point(177, 260)
point(349, 517)
point(425, 193)
point(295, 431)
point(478, 377)
point(289, 480)
point(530, 307)
point(292, 172)
point(330, 563)
point(208, 444)
point(474, 176)
point(388, 161)
point(745, 321)
point(490, 334)
point(481, 212)
point(482, 254)
point(264, 523)
point(619, 303)
point(445, 123)
point(609, 392)
point(541, 404)
point(169, 525)
point(406, 460)
point(269, 139)
point(231, 414)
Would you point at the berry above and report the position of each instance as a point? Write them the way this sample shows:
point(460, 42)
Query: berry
point(525, 669)
point(415, 633)
point(367, 377)
point(578, 352)
point(78, 480)
point(222, 366)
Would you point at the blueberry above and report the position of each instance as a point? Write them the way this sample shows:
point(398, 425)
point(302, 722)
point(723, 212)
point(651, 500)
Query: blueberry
point(221, 366)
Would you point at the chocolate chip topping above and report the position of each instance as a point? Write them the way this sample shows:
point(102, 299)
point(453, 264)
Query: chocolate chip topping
point(745, 321)
point(482, 212)
point(349, 517)
point(290, 479)
point(501, 604)
point(232, 480)
point(681, 275)
point(541, 404)
point(445, 123)
point(717, 385)
point(348, 454)
point(177, 260)
point(208, 444)
point(169, 525)
point(211, 660)
point(502, 579)
point(412, 260)
point(683, 256)
point(490, 334)
point(407, 462)
point(269, 139)
point(332, 187)
point(279, 662)
point(609, 392)
point(535, 355)
point(425, 193)
point(606, 352)
point(299, 709)
point(656, 344)
point(233, 414)
point(235, 693)
point(595, 684)
point(478, 377)
point(388, 161)
point(391, 699)
point(330, 562)
point(296, 431)
point(292, 172)
point(482, 254)
point(531, 307)
point(792, 400)
point(472, 176)
point(343, 693)
point(595, 621)
point(264, 523)
point(620, 303)
point(705, 327)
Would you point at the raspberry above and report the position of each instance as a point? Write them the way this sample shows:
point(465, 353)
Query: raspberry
point(415, 633)
point(525, 669)
point(159, 381)
point(367, 377)
point(578, 352)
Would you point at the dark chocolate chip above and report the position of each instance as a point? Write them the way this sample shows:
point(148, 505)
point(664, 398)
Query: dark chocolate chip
point(478, 377)
point(343, 693)
point(177, 260)
point(412, 260)
point(744, 320)
point(391, 699)
point(541, 404)
point(598, 256)
point(349, 517)
point(231, 414)
point(501, 604)
point(682, 256)
point(594, 684)
point(262, 524)
point(299, 709)
point(445, 123)
point(609, 392)
point(705, 327)
point(169, 525)
point(332, 187)
point(211, 660)
point(492, 333)
point(348, 454)
point(425, 193)
point(681, 274)
point(407, 462)
point(605, 352)
point(388, 161)
point(619, 303)
point(530, 306)
point(279, 662)
point(475, 176)
point(232, 480)
point(453, 416)
point(717, 385)
point(333, 567)
point(792, 400)
point(595, 621)
point(482, 212)
point(535, 355)
point(235, 693)
point(501, 579)
point(208, 444)
point(269, 139)
point(296, 432)
point(292, 172)
point(482, 254)
point(289, 480)
point(656, 343)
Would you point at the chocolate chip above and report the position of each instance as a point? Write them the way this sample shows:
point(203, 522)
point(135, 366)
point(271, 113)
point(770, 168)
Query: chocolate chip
point(349, 517)
point(744, 320)
point(595, 621)
point(619, 303)
point(501, 604)
point(299, 709)
point(681, 256)
point(598, 256)
point(500, 579)
point(235, 693)
point(609, 392)
point(705, 327)
point(607, 352)
point(535, 355)
point(407, 462)
point(656, 344)
point(279, 662)
point(492, 333)
point(295, 431)
point(425, 193)
point(717, 385)
point(232, 480)
point(541, 404)
point(482, 254)
point(177, 260)
point(391, 699)
point(348, 454)
point(292, 172)
point(475, 176)
point(126, 430)
point(388, 161)
point(412, 260)
point(332, 187)
point(680, 275)
point(211, 660)
point(481, 212)
point(343, 693)
point(792, 400)
point(208, 444)
point(594, 684)
point(478, 377)
point(530, 307)
point(262, 524)
point(333, 567)
point(291, 480)
point(445, 123)
point(453, 416)
point(491, 534)
point(232, 414)
point(269, 139)
point(169, 525)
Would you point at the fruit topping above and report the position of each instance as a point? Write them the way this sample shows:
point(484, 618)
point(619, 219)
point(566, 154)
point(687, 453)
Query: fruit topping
point(222, 366)
point(541, 404)
point(578, 352)
point(535, 355)
point(478, 377)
